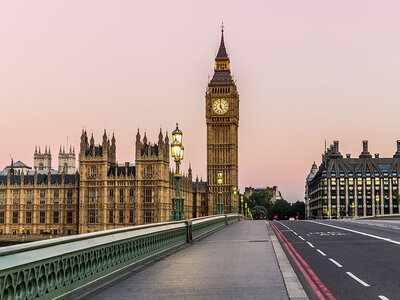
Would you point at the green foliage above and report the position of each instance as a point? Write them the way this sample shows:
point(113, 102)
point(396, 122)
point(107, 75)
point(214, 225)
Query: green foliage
point(259, 211)
point(281, 208)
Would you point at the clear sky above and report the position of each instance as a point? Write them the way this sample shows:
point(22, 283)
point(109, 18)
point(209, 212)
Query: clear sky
point(306, 71)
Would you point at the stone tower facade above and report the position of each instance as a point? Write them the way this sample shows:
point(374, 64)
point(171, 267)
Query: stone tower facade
point(222, 118)
point(42, 161)
point(66, 161)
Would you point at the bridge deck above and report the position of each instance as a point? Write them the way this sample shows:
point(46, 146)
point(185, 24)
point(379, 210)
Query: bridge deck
point(235, 262)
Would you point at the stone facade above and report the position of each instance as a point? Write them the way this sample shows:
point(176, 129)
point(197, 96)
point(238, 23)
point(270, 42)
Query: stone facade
point(222, 118)
point(354, 187)
point(102, 195)
point(66, 160)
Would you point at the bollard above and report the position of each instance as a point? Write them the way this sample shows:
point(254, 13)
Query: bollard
point(189, 236)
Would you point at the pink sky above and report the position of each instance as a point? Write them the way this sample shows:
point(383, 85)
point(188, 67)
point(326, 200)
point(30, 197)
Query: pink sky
point(306, 71)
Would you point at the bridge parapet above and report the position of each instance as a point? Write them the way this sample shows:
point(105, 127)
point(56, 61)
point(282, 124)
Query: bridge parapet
point(53, 269)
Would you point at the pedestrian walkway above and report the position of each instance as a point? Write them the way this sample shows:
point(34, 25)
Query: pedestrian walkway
point(236, 262)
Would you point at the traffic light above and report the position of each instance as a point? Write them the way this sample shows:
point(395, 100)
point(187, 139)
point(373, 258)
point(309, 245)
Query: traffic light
point(276, 217)
point(297, 217)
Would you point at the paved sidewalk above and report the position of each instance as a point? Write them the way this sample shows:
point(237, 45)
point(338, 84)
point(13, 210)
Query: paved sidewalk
point(236, 262)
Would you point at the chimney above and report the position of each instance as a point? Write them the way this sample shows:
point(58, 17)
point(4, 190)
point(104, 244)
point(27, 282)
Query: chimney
point(376, 155)
point(397, 154)
point(336, 146)
point(365, 146)
point(365, 153)
point(348, 155)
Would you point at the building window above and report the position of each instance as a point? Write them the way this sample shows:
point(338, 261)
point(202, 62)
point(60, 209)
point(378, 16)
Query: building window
point(56, 217)
point(69, 197)
point(93, 172)
point(42, 197)
point(42, 217)
point(149, 171)
point(131, 195)
point(147, 195)
point(15, 217)
point(69, 217)
point(15, 197)
point(92, 216)
point(2, 198)
point(121, 196)
point(28, 217)
point(121, 216)
point(1, 217)
point(29, 197)
point(56, 196)
point(148, 216)
point(110, 216)
point(131, 216)
point(92, 196)
point(111, 195)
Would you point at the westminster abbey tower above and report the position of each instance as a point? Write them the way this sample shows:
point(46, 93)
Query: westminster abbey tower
point(222, 118)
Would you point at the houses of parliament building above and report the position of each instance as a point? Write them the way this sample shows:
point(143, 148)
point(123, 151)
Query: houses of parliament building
point(101, 194)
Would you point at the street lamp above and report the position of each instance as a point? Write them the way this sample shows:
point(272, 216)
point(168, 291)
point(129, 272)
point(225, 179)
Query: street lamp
point(220, 206)
point(178, 202)
point(241, 205)
point(234, 200)
point(245, 209)
point(378, 212)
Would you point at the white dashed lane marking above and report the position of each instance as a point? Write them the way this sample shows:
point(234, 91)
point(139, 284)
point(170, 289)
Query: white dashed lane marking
point(383, 297)
point(336, 263)
point(301, 238)
point(311, 245)
point(357, 279)
point(322, 253)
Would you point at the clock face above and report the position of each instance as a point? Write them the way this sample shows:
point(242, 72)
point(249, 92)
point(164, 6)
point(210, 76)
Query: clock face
point(220, 106)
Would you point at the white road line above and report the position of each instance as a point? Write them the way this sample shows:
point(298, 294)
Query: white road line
point(359, 232)
point(322, 253)
point(311, 245)
point(295, 233)
point(383, 297)
point(357, 279)
point(336, 263)
point(301, 238)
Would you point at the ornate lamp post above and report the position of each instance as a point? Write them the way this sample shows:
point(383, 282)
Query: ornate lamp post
point(245, 209)
point(220, 205)
point(178, 202)
point(241, 205)
point(234, 200)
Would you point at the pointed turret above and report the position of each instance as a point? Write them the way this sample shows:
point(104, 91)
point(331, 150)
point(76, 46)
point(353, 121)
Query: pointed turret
point(104, 137)
point(160, 137)
point(222, 73)
point(145, 138)
point(222, 54)
point(138, 136)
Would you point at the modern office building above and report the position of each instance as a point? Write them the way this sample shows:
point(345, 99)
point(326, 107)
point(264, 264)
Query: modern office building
point(354, 187)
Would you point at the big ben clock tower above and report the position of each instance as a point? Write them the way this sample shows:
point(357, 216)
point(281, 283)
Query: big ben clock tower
point(222, 118)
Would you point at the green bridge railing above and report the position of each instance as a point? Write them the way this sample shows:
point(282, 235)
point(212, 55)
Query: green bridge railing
point(56, 268)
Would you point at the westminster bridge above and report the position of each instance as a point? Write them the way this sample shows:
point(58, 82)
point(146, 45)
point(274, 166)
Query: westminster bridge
point(219, 257)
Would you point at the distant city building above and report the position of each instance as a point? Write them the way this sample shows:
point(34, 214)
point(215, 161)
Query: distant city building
point(310, 176)
point(42, 161)
point(347, 187)
point(275, 193)
point(66, 161)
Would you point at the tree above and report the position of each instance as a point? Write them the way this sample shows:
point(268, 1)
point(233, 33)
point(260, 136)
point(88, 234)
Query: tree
point(280, 208)
point(298, 209)
point(261, 198)
point(259, 211)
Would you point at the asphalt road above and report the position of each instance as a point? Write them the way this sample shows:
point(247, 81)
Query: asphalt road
point(344, 259)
